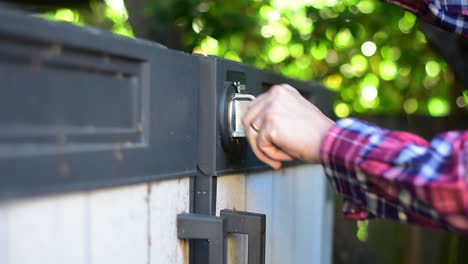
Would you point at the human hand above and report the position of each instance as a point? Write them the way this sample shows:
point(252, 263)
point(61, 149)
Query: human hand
point(281, 125)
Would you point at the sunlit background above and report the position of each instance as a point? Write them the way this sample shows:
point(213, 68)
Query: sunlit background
point(371, 54)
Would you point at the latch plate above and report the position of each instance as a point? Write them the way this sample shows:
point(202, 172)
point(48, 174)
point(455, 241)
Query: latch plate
point(237, 108)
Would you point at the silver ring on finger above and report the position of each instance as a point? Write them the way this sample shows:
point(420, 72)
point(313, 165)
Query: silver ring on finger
point(254, 127)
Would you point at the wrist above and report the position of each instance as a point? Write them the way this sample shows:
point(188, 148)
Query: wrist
point(314, 147)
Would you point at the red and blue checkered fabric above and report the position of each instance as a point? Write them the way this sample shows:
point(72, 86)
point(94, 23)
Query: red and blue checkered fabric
point(398, 175)
point(451, 15)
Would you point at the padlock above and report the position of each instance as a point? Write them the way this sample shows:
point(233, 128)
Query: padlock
point(237, 107)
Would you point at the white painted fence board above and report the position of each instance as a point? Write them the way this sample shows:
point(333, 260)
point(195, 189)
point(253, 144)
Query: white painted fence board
point(137, 224)
point(231, 195)
point(299, 219)
point(118, 225)
point(327, 232)
point(45, 230)
point(3, 235)
point(284, 217)
point(259, 193)
point(167, 199)
point(310, 214)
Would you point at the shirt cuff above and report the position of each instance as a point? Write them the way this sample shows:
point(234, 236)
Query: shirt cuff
point(347, 141)
point(341, 150)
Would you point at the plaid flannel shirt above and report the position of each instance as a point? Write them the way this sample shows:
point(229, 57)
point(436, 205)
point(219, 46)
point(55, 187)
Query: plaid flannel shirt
point(451, 15)
point(398, 175)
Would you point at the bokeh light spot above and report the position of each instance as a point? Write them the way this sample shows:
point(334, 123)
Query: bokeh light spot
point(369, 92)
point(366, 6)
point(410, 105)
point(209, 45)
point(406, 23)
point(281, 33)
point(332, 57)
point(342, 110)
point(278, 54)
point(296, 50)
point(267, 31)
point(302, 23)
point(343, 38)
point(333, 81)
point(274, 15)
point(347, 70)
point(331, 3)
point(432, 68)
point(319, 52)
point(368, 48)
point(430, 82)
point(369, 103)
point(438, 106)
point(370, 79)
point(460, 101)
point(269, 13)
point(118, 6)
point(359, 64)
point(388, 70)
point(390, 53)
point(197, 25)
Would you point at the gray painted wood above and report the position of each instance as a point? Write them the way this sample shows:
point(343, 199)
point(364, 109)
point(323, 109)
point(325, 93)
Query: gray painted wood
point(83, 109)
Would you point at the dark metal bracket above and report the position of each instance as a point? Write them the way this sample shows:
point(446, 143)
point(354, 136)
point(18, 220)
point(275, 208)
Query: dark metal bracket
point(211, 228)
point(214, 230)
point(252, 224)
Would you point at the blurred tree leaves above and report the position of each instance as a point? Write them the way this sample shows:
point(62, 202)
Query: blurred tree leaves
point(371, 53)
point(106, 14)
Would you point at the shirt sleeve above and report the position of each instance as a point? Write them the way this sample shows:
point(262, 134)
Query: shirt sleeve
point(451, 15)
point(398, 175)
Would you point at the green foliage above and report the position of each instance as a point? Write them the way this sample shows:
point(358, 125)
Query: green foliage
point(362, 230)
point(110, 14)
point(370, 53)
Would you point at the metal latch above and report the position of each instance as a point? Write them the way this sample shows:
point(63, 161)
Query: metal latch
point(238, 106)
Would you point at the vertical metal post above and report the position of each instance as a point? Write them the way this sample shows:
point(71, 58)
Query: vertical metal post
point(203, 202)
